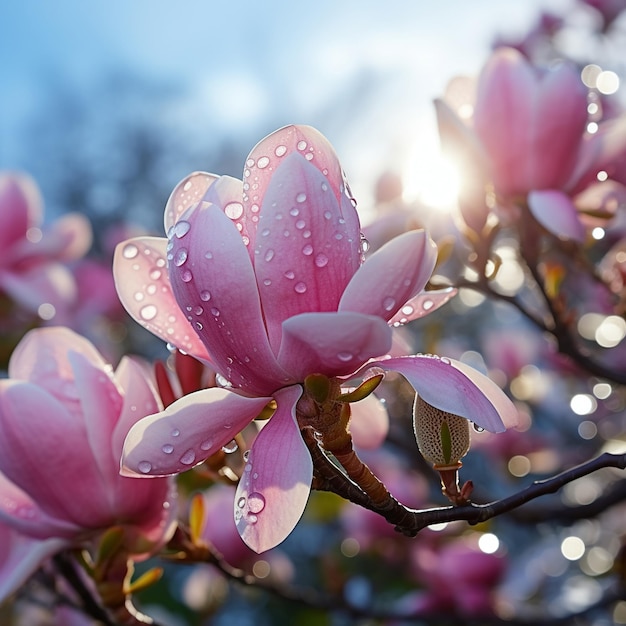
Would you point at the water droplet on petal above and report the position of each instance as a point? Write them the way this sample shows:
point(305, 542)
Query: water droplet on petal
point(180, 257)
point(301, 145)
point(188, 457)
point(207, 444)
point(230, 447)
point(327, 215)
point(307, 250)
point(130, 251)
point(186, 276)
point(205, 296)
point(280, 151)
point(269, 255)
point(144, 467)
point(263, 162)
point(345, 356)
point(321, 260)
point(181, 228)
point(427, 305)
point(300, 287)
point(148, 312)
point(300, 224)
point(289, 274)
point(301, 197)
point(168, 448)
point(208, 255)
point(241, 502)
point(407, 309)
point(256, 502)
point(477, 428)
point(234, 210)
point(251, 518)
point(175, 432)
point(389, 303)
point(198, 310)
point(324, 187)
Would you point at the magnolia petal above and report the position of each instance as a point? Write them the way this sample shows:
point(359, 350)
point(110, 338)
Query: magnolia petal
point(391, 276)
point(273, 491)
point(186, 194)
point(20, 557)
point(556, 212)
point(187, 432)
point(21, 208)
point(455, 388)
point(213, 281)
point(369, 423)
point(142, 283)
point(306, 252)
point(423, 304)
point(44, 448)
point(333, 344)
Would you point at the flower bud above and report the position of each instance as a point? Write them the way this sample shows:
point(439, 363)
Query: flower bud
point(442, 438)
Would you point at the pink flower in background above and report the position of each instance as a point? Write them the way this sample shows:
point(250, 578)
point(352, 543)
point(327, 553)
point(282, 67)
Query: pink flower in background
point(265, 280)
point(33, 258)
point(64, 414)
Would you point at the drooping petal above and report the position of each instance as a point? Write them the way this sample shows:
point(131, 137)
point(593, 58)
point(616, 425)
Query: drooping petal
point(187, 432)
point(142, 283)
point(369, 423)
point(214, 283)
point(44, 449)
point(273, 491)
point(556, 212)
point(455, 388)
point(423, 304)
point(391, 276)
point(305, 252)
point(20, 557)
point(334, 344)
point(186, 194)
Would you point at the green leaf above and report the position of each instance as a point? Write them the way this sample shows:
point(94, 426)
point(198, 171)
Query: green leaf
point(446, 441)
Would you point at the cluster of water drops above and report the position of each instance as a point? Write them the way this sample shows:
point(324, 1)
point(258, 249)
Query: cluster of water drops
point(251, 503)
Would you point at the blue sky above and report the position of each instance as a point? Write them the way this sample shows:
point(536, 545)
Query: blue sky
point(245, 60)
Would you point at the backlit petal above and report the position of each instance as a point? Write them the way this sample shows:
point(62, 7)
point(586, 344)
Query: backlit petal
point(423, 304)
point(186, 194)
point(556, 212)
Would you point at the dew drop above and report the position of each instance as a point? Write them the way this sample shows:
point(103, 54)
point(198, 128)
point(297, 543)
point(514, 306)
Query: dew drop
point(345, 356)
point(389, 303)
point(230, 447)
point(300, 287)
point(407, 309)
point(148, 312)
point(427, 305)
point(289, 274)
point(234, 210)
point(269, 255)
point(205, 296)
point(139, 296)
point(265, 232)
point(256, 502)
point(263, 162)
point(267, 282)
point(301, 197)
point(181, 228)
point(207, 444)
point(280, 151)
point(187, 186)
point(208, 255)
point(307, 250)
point(175, 432)
point(151, 290)
point(251, 518)
point(321, 260)
point(168, 448)
point(294, 212)
point(180, 257)
point(327, 215)
point(301, 145)
point(144, 467)
point(241, 502)
point(186, 276)
point(246, 455)
point(198, 310)
point(215, 312)
point(130, 251)
point(300, 224)
point(446, 360)
point(199, 326)
point(324, 187)
point(188, 457)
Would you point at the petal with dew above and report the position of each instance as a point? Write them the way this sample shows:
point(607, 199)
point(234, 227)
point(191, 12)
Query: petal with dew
point(455, 388)
point(393, 275)
point(142, 283)
point(186, 194)
point(213, 281)
point(556, 212)
point(423, 304)
point(333, 344)
point(187, 432)
point(273, 491)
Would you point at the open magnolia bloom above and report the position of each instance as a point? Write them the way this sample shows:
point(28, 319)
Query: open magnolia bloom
point(265, 280)
point(64, 415)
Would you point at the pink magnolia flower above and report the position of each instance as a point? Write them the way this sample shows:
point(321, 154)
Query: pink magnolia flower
point(33, 259)
point(64, 415)
point(266, 282)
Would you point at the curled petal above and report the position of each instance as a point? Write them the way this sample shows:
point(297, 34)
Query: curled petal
point(391, 276)
point(187, 432)
point(333, 344)
point(455, 388)
point(142, 283)
point(273, 491)
point(213, 281)
point(306, 252)
point(186, 194)
point(369, 423)
point(423, 304)
point(556, 212)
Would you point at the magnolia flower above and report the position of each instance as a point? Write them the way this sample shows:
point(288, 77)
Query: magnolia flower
point(64, 415)
point(265, 280)
point(33, 259)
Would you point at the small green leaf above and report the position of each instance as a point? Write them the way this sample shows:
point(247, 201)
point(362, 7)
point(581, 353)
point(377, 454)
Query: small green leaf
point(363, 390)
point(446, 441)
point(318, 387)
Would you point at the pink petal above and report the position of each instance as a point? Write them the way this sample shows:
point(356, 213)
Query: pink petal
point(186, 194)
point(556, 212)
point(334, 344)
point(20, 208)
point(213, 281)
point(44, 449)
point(391, 276)
point(67, 239)
point(423, 304)
point(369, 423)
point(273, 491)
point(20, 557)
point(143, 286)
point(455, 388)
point(306, 252)
point(187, 432)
